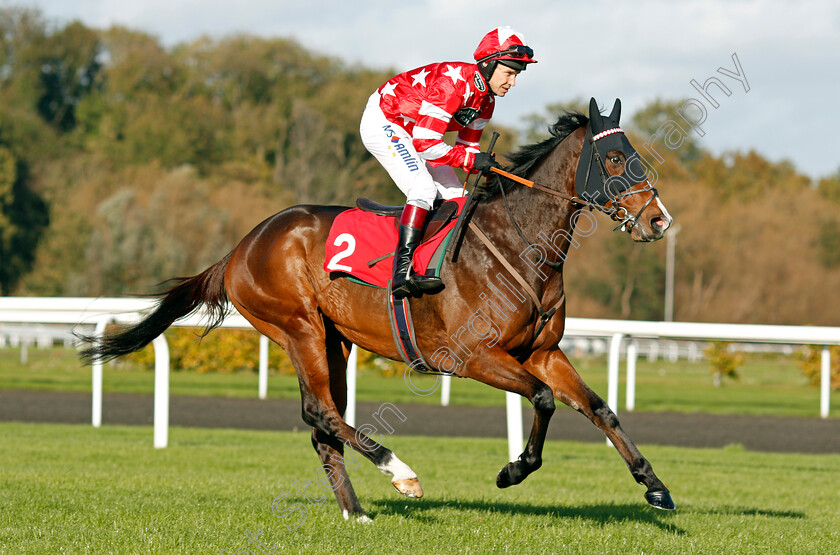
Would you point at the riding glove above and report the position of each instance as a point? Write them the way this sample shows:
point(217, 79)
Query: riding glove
point(484, 161)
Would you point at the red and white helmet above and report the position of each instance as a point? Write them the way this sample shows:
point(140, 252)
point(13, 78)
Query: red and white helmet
point(507, 46)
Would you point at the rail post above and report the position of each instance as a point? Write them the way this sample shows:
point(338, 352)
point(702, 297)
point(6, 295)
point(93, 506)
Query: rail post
point(263, 377)
point(632, 354)
point(352, 370)
point(612, 373)
point(825, 380)
point(513, 403)
point(96, 376)
point(161, 422)
point(445, 390)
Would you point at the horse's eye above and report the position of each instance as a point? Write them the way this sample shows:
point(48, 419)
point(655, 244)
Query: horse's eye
point(616, 160)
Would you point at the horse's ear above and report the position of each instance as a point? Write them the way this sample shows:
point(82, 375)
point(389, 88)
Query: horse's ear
point(595, 118)
point(616, 112)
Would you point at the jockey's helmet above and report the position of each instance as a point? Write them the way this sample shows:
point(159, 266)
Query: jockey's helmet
point(506, 46)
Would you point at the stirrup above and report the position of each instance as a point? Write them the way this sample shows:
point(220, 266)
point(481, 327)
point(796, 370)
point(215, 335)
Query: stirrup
point(405, 288)
point(427, 284)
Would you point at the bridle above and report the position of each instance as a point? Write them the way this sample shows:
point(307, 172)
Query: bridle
point(615, 211)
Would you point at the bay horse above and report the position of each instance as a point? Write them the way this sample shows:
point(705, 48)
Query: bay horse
point(275, 278)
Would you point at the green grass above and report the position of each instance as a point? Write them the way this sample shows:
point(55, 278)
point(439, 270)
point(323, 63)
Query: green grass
point(769, 385)
point(76, 489)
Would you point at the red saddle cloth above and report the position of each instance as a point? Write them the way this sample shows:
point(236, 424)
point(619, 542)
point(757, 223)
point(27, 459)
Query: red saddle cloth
point(357, 238)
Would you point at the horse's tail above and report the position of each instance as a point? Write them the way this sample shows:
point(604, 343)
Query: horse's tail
point(184, 297)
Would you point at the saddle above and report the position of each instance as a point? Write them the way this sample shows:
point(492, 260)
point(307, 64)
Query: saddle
point(441, 214)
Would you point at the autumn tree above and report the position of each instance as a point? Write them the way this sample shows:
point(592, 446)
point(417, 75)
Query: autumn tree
point(535, 126)
point(69, 69)
point(23, 217)
point(748, 175)
point(662, 120)
point(124, 162)
point(23, 31)
point(829, 187)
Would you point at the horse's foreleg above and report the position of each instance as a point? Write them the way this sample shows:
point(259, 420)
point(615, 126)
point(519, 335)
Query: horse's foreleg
point(568, 387)
point(331, 453)
point(404, 479)
point(330, 450)
point(323, 415)
point(500, 370)
point(319, 356)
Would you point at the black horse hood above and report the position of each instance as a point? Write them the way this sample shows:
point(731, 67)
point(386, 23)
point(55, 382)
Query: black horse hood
point(604, 135)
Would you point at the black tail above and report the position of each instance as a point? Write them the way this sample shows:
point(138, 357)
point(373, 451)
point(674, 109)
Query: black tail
point(181, 299)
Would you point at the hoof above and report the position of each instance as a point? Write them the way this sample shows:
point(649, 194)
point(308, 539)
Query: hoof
point(410, 487)
point(510, 475)
point(515, 472)
point(503, 479)
point(660, 500)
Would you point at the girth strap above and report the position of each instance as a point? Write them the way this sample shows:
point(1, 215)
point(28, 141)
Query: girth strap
point(402, 329)
point(545, 315)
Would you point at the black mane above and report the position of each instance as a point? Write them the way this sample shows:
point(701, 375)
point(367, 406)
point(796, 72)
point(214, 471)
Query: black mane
point(527, 156)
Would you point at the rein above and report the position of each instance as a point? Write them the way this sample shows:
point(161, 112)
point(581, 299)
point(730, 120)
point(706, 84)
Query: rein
point(552, 192)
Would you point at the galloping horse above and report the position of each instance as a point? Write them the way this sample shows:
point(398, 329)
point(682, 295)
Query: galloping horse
point(275, 278)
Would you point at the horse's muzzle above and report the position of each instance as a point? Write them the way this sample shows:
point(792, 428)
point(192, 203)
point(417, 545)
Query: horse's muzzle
point(652, 230)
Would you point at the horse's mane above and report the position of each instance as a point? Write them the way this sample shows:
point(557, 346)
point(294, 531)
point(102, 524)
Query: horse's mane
point(527, 156)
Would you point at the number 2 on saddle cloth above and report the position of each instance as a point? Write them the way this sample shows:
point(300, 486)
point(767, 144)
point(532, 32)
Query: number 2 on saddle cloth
point(361, 241)
point(360, 246)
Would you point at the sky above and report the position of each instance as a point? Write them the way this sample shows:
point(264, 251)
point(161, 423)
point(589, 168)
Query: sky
point(787, 52)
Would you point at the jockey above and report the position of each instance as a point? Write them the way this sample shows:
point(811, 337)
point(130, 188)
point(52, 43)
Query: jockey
point(403, 127)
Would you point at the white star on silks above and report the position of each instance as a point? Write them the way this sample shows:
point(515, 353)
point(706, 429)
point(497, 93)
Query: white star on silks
point(467, 94)
point(389, 89)
point(407, 120)
point(453, 73)
point(420, 77)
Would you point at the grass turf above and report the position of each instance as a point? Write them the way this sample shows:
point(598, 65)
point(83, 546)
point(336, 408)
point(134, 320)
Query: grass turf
point(768, 385)
point(76, 489)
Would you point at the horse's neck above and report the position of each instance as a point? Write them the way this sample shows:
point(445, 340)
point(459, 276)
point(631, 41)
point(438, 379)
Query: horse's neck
point(540, 215)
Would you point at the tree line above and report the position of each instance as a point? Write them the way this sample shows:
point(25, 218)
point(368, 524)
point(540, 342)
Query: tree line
point(124, 163)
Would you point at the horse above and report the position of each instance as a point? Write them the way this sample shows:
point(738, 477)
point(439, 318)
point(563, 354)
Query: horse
point(276, 279)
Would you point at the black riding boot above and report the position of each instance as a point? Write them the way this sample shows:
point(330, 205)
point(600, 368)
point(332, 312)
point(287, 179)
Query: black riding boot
point(405, 281)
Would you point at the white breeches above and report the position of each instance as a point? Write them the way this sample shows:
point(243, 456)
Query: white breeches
point(392, 146)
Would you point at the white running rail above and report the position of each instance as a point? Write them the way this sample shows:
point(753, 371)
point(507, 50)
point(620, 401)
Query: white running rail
point(96, 313)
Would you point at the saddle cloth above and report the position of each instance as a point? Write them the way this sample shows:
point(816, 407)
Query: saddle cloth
point(359, 241)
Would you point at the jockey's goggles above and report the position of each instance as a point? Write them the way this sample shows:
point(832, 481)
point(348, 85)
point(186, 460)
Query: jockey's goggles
point(514, 51)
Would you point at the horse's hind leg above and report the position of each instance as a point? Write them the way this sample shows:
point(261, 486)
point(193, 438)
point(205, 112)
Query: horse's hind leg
point(331, 450)
point(568, 387)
